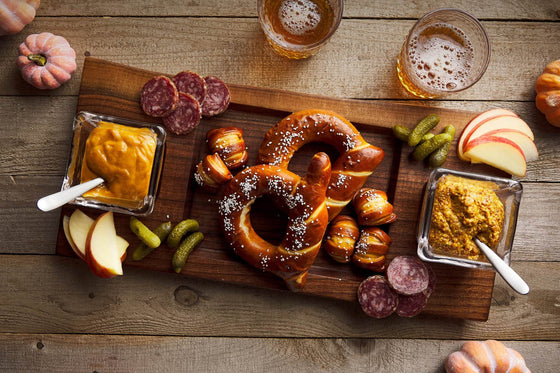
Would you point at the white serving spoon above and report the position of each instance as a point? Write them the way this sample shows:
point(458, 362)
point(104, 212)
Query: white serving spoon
point(58, 199)
point(507, 273)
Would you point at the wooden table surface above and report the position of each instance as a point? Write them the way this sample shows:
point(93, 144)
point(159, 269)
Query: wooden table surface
point(55, 315)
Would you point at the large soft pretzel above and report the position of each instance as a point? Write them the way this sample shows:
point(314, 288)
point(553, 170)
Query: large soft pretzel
point(304, 201)
point(356, 161)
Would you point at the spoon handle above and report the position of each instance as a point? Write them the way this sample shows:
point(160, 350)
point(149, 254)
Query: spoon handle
point(507, 273)
point(58, 199)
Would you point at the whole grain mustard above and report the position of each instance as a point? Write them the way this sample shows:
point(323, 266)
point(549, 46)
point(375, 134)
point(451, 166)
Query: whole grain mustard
point(464, 209)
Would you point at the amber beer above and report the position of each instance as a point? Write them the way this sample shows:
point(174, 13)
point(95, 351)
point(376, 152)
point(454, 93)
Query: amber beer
point(298, 28)
point(442, 57)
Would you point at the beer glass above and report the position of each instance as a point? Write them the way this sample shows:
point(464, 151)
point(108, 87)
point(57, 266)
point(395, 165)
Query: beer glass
point(446, 51)
point(299, 28)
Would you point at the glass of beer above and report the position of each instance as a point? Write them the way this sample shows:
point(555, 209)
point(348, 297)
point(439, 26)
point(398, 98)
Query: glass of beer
point(299, 28)
point(446, 51)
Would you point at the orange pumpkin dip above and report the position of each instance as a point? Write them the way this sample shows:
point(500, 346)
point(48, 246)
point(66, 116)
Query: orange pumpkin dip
point(464, 209)
point(123, 156)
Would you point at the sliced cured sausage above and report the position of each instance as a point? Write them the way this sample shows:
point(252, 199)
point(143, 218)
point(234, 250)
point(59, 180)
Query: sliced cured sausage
point(191, 83)
point(431, 281)
point(159, 97)
point(407, 275)
point(185, 117)
point(411, 305)
point(217, 97)
point(376, 297)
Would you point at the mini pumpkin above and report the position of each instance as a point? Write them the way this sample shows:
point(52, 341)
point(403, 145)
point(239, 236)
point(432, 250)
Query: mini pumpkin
point(548, 93)
point(485, 356)
point(46, 61)
point(16, 14)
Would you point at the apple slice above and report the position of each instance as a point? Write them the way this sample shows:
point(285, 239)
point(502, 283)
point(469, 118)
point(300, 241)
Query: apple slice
point(65, 227)
point(76, 229)
point(498, 152)
point(122, 245)
point(522, 140)
point(79, 226)
point(499, 123)
point(477, 120)
point(102, 254)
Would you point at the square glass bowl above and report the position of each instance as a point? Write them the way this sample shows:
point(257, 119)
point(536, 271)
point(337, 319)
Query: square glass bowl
point(83, 124)
point(508, 191)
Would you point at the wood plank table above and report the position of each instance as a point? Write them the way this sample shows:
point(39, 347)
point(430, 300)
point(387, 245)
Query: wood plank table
point(55, 315)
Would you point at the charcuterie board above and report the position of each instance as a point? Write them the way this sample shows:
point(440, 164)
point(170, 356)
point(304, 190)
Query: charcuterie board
point(114, 89)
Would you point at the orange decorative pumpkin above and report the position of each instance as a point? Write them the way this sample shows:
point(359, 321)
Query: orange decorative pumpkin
point(16, 14)
point(46, 61)
point(485, 356)
point(548, 93)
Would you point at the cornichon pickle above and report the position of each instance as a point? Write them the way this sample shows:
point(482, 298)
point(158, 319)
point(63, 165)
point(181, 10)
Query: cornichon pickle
point(438, 157)
point(427, 147)
point(402, 133)
point(423, 127)
point(426, 137)
point(450, 130)
point(185, 248)
point(174, 238)
point(161, 231)
point(145, 235)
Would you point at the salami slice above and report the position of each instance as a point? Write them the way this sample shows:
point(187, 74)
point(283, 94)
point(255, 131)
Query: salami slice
point(431, 281)
point(191, 83)
point(407, 275)
point(411, 305)
point(159, 97)
point(376, 297)
point(217, 97)
point(186, 117)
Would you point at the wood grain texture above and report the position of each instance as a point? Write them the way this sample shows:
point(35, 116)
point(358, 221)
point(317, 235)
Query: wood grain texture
point(52, 352)
point(515, 9)
point(151, 303)
point(367, 72)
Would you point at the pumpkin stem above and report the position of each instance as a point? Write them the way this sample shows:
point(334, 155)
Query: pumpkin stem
point(39, 59)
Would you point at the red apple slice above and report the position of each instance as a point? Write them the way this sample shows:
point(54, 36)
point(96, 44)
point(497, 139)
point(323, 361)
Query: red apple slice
point(65, 227)
point(122, 245)
point(499, 123)
point(76, 229)
point(498, 152)
point(102, 254)
point(522, 140)
point(477, 120)
point(79, 226)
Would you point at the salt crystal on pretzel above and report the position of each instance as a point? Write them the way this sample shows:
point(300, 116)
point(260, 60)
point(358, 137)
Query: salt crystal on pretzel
point(356, 161)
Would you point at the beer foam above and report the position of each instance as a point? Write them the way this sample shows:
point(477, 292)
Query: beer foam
point(299, 17)
point(442, 56)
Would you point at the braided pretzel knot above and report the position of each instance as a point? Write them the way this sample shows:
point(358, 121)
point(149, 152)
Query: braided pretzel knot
point(304, 201)
point(356, 161)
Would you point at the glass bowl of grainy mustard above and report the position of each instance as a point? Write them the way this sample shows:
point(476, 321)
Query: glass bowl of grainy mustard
point(459, 206)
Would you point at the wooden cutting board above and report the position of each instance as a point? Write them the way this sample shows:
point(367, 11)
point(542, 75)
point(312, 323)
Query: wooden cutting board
point(114, 89)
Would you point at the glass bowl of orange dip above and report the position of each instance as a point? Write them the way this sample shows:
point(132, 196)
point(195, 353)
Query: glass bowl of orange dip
point(128, 155)
point(459, 206)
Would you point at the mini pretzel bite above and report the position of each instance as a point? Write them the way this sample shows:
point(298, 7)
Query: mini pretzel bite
point(341, 238)
point(228, 142)
point(371, 249)
point(212, 172)
point(372, 207)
